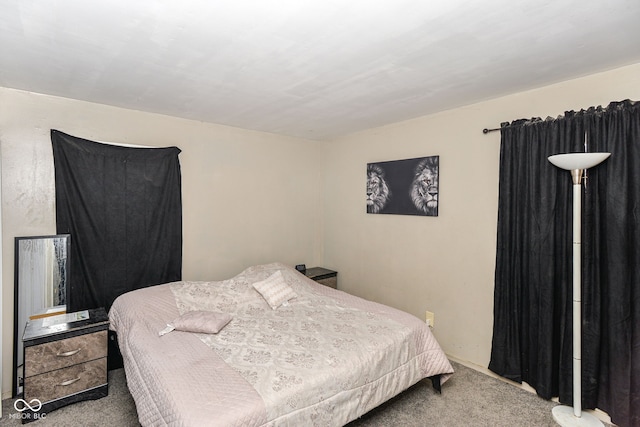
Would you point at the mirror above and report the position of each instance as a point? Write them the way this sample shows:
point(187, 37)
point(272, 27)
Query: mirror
point(41, 282)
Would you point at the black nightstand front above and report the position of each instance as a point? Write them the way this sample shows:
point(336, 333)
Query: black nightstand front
point(323, 276)
point(65, 361)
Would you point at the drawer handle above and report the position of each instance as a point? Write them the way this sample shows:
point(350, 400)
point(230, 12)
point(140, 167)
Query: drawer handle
point(68, 353)
point(69, 382)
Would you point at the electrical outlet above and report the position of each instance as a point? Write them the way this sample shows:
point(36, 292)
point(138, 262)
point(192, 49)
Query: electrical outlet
point(430, 318)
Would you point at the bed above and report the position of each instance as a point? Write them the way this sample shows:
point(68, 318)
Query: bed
point(320, 358)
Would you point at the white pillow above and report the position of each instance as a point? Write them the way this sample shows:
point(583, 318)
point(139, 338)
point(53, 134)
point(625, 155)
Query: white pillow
point(202, 322)
point(275, 290)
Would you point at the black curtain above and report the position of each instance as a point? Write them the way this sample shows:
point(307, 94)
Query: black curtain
point(123, 209)
point(532, 332)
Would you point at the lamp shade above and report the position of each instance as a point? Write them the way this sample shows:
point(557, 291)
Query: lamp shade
point(572, 161)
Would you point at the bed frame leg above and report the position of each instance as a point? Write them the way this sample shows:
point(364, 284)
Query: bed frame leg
point(435, 380)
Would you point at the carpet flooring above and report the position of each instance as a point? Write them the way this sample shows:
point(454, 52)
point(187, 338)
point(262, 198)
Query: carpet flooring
point(469, 398)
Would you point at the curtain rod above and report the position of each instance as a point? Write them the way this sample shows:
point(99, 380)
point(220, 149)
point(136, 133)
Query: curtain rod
point(485, 130)
point(586, 112)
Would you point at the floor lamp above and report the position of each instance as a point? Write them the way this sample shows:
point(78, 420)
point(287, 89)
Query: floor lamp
point(576, 163)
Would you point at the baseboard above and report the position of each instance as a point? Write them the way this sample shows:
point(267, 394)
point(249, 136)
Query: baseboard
point(601, 415)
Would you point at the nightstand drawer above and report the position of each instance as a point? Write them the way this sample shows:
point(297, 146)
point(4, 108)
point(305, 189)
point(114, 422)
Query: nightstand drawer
point(331, 282)
point(59, 354)
point(64, 382)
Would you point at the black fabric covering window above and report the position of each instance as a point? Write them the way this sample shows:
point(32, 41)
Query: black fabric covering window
point(532, 334)
point(123, 209)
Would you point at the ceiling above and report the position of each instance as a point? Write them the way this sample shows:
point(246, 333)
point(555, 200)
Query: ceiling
point(315, 69)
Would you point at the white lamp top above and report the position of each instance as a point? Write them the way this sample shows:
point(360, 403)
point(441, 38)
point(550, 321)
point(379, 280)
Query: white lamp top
point(572, 161)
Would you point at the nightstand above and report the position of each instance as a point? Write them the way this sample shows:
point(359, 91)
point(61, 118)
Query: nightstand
point(65, 361)
point(323, 276)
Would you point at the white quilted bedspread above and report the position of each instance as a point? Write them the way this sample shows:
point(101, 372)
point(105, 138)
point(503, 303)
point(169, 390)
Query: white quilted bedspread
point(324, 359)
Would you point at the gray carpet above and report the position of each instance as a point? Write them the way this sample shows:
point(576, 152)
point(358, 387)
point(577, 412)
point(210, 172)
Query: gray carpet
point(469, 398)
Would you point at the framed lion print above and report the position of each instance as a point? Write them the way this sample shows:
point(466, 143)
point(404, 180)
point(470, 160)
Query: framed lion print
point(404, 187)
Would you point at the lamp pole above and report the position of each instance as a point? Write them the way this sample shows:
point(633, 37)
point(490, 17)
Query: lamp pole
point(577, 163)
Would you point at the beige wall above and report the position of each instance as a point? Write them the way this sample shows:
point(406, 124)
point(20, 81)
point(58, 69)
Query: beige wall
point(248, 197)
point(1, 263)
point(444, 264)
point(251, 197)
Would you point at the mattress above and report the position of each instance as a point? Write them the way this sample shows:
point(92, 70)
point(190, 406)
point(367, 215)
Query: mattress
point(324, 358)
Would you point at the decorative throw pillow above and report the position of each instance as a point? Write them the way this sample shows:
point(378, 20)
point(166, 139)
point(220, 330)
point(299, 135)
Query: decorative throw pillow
point(202, 322)
point(275, 290)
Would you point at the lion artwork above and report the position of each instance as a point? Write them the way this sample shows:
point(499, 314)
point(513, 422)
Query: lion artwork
point(377, 190)
point(424, 189)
